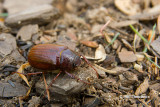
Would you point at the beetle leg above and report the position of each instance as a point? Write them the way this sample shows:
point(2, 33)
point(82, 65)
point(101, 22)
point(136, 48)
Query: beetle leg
point(47, 90)
point(22, 67)
point(54, 79)
point(36, 73)
point(19, 72)
point(85, 59)
point(73, 76)
point(47, 87)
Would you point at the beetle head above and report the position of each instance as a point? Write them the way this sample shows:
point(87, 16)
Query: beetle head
point(76, 62)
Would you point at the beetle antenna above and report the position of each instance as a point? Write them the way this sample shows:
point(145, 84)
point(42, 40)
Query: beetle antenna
point(85, 59)
point(73, 76)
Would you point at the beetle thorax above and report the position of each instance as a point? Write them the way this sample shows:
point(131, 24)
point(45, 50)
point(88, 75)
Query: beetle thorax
point(69, 60)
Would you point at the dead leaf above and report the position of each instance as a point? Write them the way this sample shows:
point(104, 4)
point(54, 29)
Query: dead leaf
point(91, 44)
point(143, 87)
point(150, 34)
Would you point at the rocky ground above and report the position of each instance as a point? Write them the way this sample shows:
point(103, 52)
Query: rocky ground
point(120, 38)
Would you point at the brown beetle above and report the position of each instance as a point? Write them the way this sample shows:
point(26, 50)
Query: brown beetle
point(51, 56)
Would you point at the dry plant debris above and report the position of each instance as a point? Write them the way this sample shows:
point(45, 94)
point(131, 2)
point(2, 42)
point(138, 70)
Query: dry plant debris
point(120, 38)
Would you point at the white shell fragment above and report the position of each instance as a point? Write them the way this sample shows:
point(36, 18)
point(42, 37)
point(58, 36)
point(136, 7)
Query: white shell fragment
point(138, 67)
point(100, 53)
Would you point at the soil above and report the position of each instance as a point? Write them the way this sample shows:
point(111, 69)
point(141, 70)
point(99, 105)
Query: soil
point(117, 41)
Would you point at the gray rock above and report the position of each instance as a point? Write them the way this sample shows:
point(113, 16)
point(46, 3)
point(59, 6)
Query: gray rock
point(6, 37)
point(16, 6)
point(5, 48)
point(26, 32)
point(7, 90)
point(41, 14)
point(17, 56)
point(65, 86)
point(7, 44)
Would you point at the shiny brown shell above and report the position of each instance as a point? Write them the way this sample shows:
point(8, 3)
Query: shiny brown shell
point(52, 56)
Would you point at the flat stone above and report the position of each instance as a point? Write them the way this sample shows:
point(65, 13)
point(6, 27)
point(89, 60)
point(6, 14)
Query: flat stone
point(34, 15)
point(7, 44)
point(65, 86)
point(5, 48)
point(6, 37)
point(127, 56)
point(16, 6)
point(26, 32)
point(7, 90)
point(17, 56)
